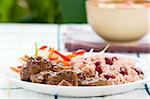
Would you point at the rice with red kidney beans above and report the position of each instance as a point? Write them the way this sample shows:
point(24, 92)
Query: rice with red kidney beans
point(115, 70)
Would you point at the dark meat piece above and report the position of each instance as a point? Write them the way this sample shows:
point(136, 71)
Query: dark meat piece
point(37, 78)
point(24, 74)
point(69, 76)
point(40, 77)
point(94, 82)
point(61, 68)
point(34, 66)
point(37, 64)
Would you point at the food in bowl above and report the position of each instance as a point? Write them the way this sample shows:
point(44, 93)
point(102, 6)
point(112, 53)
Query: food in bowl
point(118, 22)
point(49, 66)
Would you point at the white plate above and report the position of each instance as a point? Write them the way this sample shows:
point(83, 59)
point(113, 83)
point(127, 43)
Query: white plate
point(77, 91)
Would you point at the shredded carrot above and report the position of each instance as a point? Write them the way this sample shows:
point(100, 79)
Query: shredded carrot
point(71, 55)
point(23, 59)
point(15, 69)
point(67, 63)
point(51, 52)
point(26, 56)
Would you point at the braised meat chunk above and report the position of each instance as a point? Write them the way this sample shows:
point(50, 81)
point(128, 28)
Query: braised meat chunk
point(38, 64)
point(40, 77)
point(59, 68)
point(34, 66)
point(69, 76)
point(24, 74)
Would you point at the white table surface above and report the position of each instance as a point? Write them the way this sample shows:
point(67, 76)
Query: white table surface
point(18, 38)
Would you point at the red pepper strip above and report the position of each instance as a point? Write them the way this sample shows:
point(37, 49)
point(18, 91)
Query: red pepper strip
point(19, 67)
point(79, 52)
point(43, 48)
point(62, 56)
point(15, 69)
point(53, 58)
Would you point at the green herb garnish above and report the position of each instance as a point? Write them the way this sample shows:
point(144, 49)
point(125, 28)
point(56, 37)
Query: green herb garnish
point(36, 49)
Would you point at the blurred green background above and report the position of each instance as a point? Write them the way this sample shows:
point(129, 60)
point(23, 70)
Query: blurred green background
point(42, 11)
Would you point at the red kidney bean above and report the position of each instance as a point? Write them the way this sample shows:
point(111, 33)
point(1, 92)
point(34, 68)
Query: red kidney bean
point(108, 61)
point(97, 63)
point(99, 69)
point(109, 76)
point(123, 71)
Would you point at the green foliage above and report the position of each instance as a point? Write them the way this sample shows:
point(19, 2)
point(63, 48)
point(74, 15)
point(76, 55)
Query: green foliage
point(73, 11)
point(5, 7)
point(42, 11)
point(18, 11)
point(29, 11)
point(11, 11)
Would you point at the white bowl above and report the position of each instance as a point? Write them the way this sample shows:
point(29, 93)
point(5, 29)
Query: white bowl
point(118, 24)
